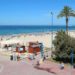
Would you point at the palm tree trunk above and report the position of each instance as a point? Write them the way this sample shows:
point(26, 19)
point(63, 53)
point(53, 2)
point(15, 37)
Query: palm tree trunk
point(67, 29)
point(67, 25)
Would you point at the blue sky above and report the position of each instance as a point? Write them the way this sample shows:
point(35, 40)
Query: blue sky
point(33, 12)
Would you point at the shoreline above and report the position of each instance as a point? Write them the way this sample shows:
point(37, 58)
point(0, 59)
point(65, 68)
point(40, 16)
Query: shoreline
point(25, 33)
point(29, 33)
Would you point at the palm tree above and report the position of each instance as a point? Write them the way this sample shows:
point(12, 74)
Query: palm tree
point(67, 12)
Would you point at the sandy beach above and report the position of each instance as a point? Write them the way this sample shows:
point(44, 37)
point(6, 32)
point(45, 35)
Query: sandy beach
point(24, 39)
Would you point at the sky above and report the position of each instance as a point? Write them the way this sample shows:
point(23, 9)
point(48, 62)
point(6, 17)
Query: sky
point(33, 12)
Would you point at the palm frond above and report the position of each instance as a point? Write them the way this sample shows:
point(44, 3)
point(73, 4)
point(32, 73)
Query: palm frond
point(66, 12)
point(61, 15)
point(72, 14)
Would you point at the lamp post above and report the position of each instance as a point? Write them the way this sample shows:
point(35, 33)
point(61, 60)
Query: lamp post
point(52, 30)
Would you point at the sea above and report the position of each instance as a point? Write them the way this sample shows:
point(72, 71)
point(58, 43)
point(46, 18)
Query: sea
point(20, 29)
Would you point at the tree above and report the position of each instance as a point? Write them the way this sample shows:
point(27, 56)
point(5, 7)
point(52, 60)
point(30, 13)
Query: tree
point(62, 47)
point(67, 12)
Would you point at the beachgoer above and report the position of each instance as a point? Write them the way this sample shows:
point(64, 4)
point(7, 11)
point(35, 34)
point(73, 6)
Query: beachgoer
point(61, 65)
point(44, 58)
point(74, 66)
point(37, 63)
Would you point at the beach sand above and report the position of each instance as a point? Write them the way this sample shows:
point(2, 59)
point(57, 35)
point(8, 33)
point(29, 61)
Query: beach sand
point(24, 39)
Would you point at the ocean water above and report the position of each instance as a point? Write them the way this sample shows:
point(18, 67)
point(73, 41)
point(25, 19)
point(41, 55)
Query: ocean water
point(18, 29)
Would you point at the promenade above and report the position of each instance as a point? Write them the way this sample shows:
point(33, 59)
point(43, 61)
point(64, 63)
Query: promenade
point(26, 67)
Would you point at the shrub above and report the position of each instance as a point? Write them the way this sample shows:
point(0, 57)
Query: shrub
point(63, 44)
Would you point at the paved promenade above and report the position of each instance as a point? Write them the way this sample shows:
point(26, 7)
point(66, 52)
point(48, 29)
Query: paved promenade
point(25, 67)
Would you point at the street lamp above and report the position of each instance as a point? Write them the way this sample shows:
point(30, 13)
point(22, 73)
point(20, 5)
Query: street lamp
point(52, 30)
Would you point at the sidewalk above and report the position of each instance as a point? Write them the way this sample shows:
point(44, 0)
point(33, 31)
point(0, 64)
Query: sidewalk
point(26, 67)
point(53, 68)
